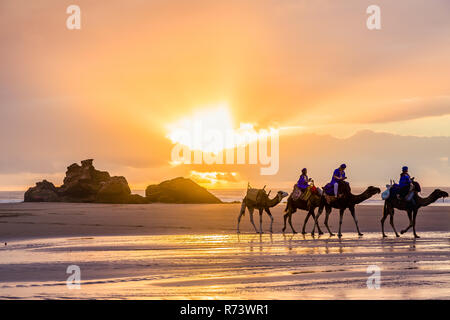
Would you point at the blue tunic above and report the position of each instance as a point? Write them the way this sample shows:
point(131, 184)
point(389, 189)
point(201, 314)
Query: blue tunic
point(404, 180)
point(337, 173)
point(303, 182)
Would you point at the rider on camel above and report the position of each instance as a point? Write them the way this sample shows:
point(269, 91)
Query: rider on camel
point(406, 187)
point(404, 183)
point(303, 181)
point(303, 188)
point(338, 175)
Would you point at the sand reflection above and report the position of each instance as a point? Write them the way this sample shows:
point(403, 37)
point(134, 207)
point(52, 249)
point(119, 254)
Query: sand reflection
point(228, 266)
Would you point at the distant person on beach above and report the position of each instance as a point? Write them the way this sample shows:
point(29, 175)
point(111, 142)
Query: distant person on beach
point(338, 176)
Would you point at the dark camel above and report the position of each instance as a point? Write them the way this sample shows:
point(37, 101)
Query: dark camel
point(346, 201)
point(309, 206)
point(394, 203)
point(264, 204)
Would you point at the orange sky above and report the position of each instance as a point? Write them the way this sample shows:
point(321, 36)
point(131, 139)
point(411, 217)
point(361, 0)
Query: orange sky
point(109, 90)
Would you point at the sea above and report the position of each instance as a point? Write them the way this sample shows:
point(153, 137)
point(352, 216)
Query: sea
point(236, 195)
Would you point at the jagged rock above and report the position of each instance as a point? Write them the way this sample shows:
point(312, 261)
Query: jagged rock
point(114, 189)
point(84, 184)
point(44, 191)
point(179, 190)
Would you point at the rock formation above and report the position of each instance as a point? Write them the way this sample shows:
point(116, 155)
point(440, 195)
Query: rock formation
point(179, 190)
point(43, 192)
point(84, 184)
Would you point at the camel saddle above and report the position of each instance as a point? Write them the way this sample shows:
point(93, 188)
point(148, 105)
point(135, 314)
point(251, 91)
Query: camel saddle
point(306, 194)
point(343, 190)
point(296, 192)
point(256, 195)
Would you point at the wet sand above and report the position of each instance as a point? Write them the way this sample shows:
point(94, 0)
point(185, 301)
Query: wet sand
point(193, 252)
point(44, 220)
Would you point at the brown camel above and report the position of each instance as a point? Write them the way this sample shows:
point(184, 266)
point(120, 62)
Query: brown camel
point(309, 206)
point(264, 204)
point(347, 201)
point(411, 209)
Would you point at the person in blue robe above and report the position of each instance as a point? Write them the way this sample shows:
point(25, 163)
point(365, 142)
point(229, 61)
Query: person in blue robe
point(303, 181)
point(338, 175)
point(405, 182)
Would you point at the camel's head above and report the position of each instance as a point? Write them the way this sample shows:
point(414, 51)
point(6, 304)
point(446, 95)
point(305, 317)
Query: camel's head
point(373, 190)
point(281, 195)
point(441, 193)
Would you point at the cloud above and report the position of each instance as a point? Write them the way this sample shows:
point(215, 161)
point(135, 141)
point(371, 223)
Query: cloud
point(407, 109)
point(371, 158)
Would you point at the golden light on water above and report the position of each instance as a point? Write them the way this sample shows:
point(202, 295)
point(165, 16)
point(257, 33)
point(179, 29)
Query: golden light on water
point(231, 266)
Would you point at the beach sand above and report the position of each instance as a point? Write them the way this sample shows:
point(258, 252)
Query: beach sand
point(163, 251)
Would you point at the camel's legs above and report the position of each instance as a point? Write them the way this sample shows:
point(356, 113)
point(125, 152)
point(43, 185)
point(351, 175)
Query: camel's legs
point(271, 218)
point(341, 215)
point(385, 214)
point(414, 223)
point(305, 222)
point(316, 220)
point(250, 210)
point(260, 220)
point(352, 211)
point(311, 212)
point(241, 213)
point(290, 223)
point(318, 227)
point(327, 215)
point(308, 214)
point(239, 221)
point(285, 217)
point(409, 212)
point(391, 220)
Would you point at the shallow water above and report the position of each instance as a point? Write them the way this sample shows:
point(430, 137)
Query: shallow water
point(246, 266)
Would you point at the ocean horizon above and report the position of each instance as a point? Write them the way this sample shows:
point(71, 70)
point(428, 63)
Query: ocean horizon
point(233, 195)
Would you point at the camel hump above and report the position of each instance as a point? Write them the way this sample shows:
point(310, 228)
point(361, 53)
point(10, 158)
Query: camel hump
point(255, 195)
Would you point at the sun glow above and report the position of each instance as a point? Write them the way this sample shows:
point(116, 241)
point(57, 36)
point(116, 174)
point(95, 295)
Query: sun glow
point(200, 131)
point(216, 179)
point(210, 137)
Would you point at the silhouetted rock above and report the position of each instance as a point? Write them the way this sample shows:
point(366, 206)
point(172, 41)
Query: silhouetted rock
point(114, 189)
point(179, 190)
point(43, 192)
point(84, 184)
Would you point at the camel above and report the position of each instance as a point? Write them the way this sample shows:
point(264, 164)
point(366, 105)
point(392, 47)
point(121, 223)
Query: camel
point(394, 203)
point(309, 206)
point(347, 201)
point(264, 204)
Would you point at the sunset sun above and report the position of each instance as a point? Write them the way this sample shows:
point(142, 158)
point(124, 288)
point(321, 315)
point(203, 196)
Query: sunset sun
point(211, 129)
